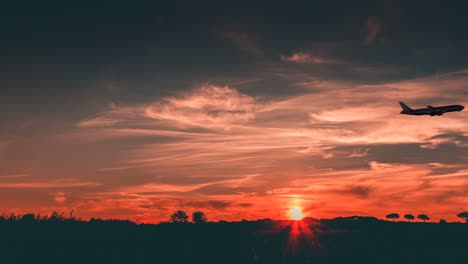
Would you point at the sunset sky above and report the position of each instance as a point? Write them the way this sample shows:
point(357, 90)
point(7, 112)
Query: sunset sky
point(125, 110)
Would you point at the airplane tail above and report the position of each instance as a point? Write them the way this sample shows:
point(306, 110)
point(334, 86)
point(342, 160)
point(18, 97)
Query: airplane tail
point(405, 107)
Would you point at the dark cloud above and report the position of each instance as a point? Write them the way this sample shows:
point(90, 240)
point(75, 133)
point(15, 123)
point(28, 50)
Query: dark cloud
point(222, 189)
point(360, 191)
point(372, 28)
point(213, 204)
point(240, 37)
point(190, 180)
point(341, 161)
point(457, 138)
point(449, 196)
point(446, 151)
point(414, 154)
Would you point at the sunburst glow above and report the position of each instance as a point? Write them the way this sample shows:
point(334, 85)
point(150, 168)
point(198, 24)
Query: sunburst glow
point(296, 213)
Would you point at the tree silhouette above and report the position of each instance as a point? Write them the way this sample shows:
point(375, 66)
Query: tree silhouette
point(57, 217)
point(199, 217)
point(410, 217)
point(464, 216)
point(28, 218)
point(393, 216)
point(179, 216)
point(423, 217)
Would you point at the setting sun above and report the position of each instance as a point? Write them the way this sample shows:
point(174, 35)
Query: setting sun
point(296, 213)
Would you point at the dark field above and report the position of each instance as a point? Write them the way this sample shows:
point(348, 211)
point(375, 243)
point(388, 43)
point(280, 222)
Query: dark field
point(341, 240)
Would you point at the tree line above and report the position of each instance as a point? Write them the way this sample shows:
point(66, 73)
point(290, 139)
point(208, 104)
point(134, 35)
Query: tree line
point(423, 217)
point(180, 216)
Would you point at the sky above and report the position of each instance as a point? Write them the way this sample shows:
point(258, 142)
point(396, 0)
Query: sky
point(134, 110)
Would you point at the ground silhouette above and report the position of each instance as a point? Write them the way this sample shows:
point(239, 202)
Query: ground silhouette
point(355, 239)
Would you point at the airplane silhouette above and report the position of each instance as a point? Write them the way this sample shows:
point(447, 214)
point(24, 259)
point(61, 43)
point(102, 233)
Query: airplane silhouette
point(430, 110)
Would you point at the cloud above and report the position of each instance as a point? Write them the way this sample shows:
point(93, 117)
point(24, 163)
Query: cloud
point(215, 126)
point(4, 144)
point(154, 188)
point(372, 28)
point(348, 114)
point(205, 106)
point(456, 138)
point(352, 112)
point(213, 204)
point(286, 147)
point(65, 183)
point(308, 58)
point(359, 153)
point(59, 197)
point(241, 39)
point(358, 190)
point(14, 176)
point(115, 115)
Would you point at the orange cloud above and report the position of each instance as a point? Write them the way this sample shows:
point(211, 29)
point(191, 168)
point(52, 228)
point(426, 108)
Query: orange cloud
point(59, 197)
point(14, 176)
point(66, 183)
point(322, 146)
point(205, 106)
point(4, 144)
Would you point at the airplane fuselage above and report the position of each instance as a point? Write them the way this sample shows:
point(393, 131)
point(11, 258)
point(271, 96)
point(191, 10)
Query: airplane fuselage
point(433, 111)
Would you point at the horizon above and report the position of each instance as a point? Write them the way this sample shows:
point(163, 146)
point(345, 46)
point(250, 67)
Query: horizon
point(133, 111)
point(62, 216)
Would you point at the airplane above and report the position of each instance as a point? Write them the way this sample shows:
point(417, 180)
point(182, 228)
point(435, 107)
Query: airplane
point(430, 110)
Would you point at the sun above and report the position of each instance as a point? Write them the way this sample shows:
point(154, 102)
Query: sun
point(296, 213)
